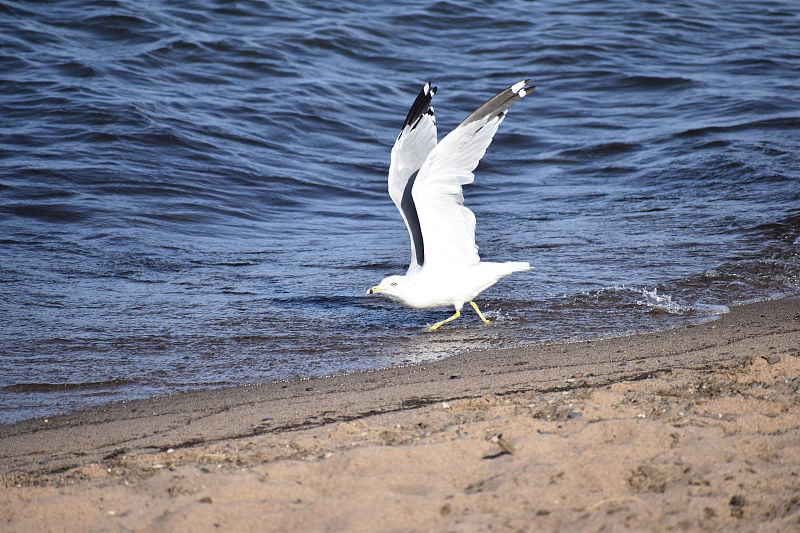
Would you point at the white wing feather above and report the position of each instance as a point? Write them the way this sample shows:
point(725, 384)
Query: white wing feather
point(448, 227)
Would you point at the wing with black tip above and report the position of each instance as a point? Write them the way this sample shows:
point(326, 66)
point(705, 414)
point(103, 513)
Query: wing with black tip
point(415, 142)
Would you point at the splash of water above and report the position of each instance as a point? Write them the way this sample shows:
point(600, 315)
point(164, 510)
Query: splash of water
point(663, 303)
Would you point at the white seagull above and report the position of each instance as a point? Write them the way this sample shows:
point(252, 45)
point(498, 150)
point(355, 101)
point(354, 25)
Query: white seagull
point(425, 182)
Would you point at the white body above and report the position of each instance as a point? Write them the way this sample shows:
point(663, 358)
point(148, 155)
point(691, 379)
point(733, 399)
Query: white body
point(425, 183)
point(448, 287)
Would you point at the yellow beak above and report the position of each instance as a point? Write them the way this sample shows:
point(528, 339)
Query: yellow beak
point(374, 290)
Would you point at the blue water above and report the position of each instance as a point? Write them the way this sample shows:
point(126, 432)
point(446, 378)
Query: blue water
point(194, 197)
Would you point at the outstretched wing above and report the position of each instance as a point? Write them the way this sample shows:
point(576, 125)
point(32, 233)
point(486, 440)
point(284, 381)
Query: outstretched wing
point(416, 140)
point(448, 227)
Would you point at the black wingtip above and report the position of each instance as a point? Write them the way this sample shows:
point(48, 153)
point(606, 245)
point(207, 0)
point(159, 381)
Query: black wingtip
point(498, 105)
point(522, 88)
point(421, 105)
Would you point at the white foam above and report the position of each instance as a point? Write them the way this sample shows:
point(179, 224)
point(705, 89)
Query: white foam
point(665, 304)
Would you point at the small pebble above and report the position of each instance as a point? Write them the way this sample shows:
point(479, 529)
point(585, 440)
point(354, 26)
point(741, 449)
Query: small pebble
point(506, 446)
point(455, 376)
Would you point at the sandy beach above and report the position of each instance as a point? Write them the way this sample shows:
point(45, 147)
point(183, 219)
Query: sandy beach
point(696, 428)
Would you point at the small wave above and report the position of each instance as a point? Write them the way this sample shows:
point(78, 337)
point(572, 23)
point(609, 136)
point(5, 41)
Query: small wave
point(55, 387)
point(121, 28)
point(600, 150)
point(787, 123)
point(48, 212)
point(645, 82)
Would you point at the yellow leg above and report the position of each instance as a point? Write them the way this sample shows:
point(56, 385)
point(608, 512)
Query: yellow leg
point(475, 307)
point(445, 321)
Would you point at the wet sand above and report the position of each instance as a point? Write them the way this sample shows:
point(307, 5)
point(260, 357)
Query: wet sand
point(696, 428)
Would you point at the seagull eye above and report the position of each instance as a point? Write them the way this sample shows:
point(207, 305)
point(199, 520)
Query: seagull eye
point(393, 284)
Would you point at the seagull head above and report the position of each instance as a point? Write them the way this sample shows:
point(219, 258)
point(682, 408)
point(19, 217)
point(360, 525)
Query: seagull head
point(391, 286)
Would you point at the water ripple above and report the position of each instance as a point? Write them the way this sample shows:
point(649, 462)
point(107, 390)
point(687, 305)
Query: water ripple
point(195, 196)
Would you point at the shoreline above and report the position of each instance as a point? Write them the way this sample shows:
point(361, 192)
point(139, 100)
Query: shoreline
point(134, 450)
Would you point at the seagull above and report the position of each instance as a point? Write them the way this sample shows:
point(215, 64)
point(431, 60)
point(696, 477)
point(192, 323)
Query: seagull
point(425, 180)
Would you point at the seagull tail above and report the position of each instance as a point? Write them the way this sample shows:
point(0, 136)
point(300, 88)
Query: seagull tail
point(502, 270)
point(517, 266)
